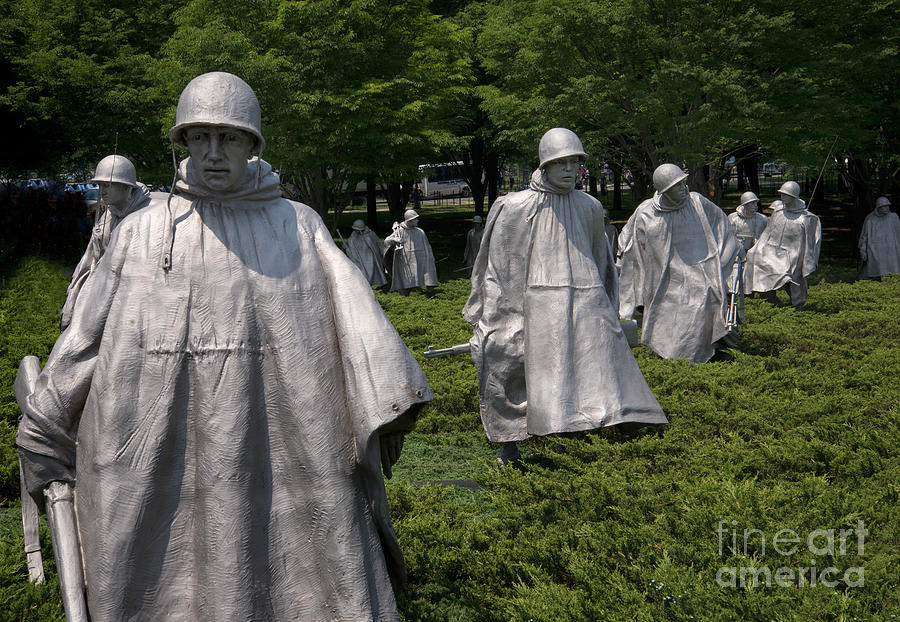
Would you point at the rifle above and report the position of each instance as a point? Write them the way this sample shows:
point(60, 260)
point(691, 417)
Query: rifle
point(734, 315)
point(60, 508)
point(29, 370)
point(343, 243)
point(629, 327)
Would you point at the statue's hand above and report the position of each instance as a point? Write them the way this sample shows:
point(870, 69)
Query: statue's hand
point(391, 446)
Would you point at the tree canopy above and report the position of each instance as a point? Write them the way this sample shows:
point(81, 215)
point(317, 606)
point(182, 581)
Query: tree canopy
point(369, 89)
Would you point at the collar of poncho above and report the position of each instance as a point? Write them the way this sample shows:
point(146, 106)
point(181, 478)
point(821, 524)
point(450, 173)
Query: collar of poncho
point(666, 207)
point(797, 205)
point(743, 213)
point(547, 193)
point(540, 183)
point(258, 187)
point(139, 198)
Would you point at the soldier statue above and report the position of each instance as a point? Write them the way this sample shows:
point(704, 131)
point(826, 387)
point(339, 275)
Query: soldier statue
point(550, 353)
point(226, 399)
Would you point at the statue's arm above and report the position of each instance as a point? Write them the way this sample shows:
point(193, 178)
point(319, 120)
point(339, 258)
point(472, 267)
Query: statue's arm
point(51, 412)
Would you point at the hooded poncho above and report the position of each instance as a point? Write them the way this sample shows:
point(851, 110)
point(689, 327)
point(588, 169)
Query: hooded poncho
point(364, 249)
point(747, 226)
point(473, 243)
point(879, 243)
point(109, 220)
point(414, 264)
point(787, 251)
point(675, 262)
point(550, 353)
point(226, 414)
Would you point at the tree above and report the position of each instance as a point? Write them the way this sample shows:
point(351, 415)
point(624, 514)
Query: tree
point(78, 84)
point(642, 83)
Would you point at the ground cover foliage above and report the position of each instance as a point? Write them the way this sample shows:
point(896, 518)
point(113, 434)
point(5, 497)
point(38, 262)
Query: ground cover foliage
point(798, 433)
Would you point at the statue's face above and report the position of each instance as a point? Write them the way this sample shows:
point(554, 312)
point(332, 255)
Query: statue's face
point(677, 193)
point(114, 193)
point(750, 208)
point(412, 224)
point(786, 199)
point(562, 173)
point(883, 209)
point(219, 154)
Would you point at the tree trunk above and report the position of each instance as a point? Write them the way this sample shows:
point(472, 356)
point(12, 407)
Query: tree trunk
point(492, 174)
point(371, 205)
point(397, 199)
point(617, 187)
point(859, 179)
point(592, 186)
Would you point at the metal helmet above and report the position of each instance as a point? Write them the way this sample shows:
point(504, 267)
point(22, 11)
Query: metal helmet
point(559, 143)
point(790, 188)
point(115, 168)
point(477, 219)
point(218, 98)
point(882, 201)
point(667, 175)
point(748, 197)
point(410, 214)
point(358, 225)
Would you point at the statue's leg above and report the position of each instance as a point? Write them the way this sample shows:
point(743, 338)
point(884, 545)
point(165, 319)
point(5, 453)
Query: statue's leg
point(509, 454)
point(799, 293)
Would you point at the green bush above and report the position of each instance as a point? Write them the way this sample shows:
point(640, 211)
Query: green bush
point(799, 432)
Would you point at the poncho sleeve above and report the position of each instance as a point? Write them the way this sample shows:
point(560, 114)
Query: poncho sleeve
point(382, 377)
point(813, 245)
point(864, 238)
point(630, 269)
point(50, 415)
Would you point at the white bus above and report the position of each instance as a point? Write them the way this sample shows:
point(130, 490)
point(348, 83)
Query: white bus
point(442, 180)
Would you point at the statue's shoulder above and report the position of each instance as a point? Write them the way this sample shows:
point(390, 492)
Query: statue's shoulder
point(645, 208)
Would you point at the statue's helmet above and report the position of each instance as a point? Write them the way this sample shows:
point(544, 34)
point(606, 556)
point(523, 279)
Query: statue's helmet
point(359, 225)
point(749, 197)
point(667, 175)
point(115, 168)
point(218, 98)
point(559, 143)
point(410, 214)
point(790, 188)
point(882, 202)
point(477, 220)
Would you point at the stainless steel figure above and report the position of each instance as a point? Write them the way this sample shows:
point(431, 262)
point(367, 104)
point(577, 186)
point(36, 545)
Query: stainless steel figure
point(787, 252)
point(230, 396)
point(879, 241)
point(678, 250)
point(413, 260)
point(550, 352)
point(365, 250)
point(121, 194)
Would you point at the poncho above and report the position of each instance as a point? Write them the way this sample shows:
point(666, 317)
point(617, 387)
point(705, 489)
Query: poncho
point(675, 262)
point(747, 227)
point(787, 251)
point(473, 244)
point(879, 241)
point(414, 264)
point(364, 249)
point(226, 414)
point(550, 354)
point(107, 222)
